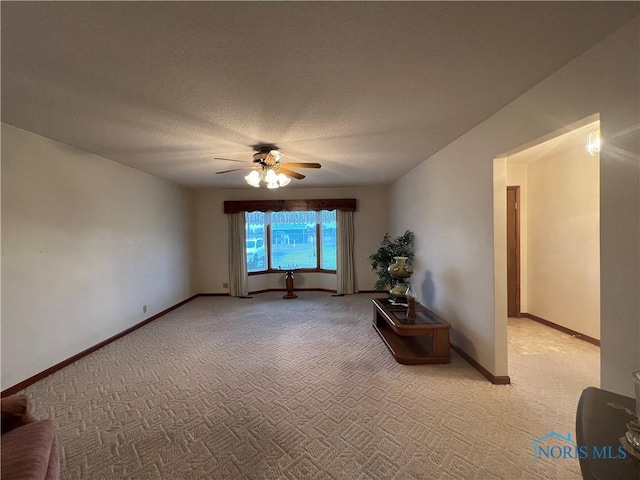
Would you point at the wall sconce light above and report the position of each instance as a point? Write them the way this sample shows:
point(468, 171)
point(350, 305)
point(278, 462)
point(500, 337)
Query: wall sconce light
point(594, 143)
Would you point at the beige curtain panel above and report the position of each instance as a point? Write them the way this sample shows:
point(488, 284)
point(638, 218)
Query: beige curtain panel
point(238, 278)
point(346, 266)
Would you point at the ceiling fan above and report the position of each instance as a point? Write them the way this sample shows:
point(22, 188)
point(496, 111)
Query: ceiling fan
point(267, 168)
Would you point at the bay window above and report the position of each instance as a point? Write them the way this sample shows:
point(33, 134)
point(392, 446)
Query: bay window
point(286, 240)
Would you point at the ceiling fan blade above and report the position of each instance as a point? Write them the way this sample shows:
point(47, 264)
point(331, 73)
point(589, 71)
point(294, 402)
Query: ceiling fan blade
point(229, 160)
point(290, 173)
point(302, 165)
point(234, 170)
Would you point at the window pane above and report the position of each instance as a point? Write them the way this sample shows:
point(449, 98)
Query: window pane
point(328, 245)
point(256, 241)
point(293, 240)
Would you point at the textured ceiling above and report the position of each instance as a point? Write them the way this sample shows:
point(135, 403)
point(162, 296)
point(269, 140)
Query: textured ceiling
point(369, 89)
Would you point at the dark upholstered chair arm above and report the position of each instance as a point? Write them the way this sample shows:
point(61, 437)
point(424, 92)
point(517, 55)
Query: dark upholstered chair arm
point(15, 412)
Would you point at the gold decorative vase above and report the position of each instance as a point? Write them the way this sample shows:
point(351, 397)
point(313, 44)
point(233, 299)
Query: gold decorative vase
point(400, 270)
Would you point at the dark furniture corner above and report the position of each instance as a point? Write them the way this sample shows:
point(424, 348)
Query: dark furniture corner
point(601, 425)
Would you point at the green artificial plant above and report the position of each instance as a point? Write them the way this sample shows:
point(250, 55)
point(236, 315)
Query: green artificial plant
point(401, 246)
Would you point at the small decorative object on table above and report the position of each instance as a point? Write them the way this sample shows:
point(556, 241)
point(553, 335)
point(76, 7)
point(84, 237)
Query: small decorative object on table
point(289, 284)
point(411, 301)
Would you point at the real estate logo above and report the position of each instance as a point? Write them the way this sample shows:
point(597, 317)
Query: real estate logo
point(555, 446)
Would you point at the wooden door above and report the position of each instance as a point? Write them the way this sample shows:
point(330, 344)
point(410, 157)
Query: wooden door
point(513, 251)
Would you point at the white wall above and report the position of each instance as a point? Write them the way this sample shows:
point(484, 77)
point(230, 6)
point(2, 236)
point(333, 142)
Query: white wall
point(448, 201)
point(564, 240)
point(371, 222)
point(86, 242)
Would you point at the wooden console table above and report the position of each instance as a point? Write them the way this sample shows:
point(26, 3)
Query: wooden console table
point(424, 339)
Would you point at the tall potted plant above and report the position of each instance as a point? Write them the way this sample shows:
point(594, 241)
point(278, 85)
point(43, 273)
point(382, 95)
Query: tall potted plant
point(401, 246)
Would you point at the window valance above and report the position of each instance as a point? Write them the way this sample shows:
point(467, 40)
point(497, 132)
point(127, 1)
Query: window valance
point(237, 206)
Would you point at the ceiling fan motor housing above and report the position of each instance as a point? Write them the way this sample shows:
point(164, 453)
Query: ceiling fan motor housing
point(267, 156)
point(260, 157)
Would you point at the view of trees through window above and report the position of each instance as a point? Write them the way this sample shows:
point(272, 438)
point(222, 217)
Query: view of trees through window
point(291, 240)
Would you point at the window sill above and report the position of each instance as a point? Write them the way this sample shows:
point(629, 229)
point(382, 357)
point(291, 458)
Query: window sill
point(295, 270)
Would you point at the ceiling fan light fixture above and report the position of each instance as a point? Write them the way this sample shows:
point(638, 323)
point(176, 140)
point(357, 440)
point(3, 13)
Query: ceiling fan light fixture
point(271, 176)
point(267, 169)
point(268, 176)
point(253, 178)
point(283, 180)
point(271, 179)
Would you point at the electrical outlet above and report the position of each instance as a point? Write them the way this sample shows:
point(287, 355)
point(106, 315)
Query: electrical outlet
point(144, 309)
point(225, 285)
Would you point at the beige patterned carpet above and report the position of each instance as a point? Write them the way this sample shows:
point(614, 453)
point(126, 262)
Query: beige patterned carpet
point(265, 388)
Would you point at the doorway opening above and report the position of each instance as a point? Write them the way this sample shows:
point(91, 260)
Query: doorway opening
point(547, 253)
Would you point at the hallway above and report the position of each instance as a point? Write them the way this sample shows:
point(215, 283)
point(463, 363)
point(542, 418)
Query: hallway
point(549, 363)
